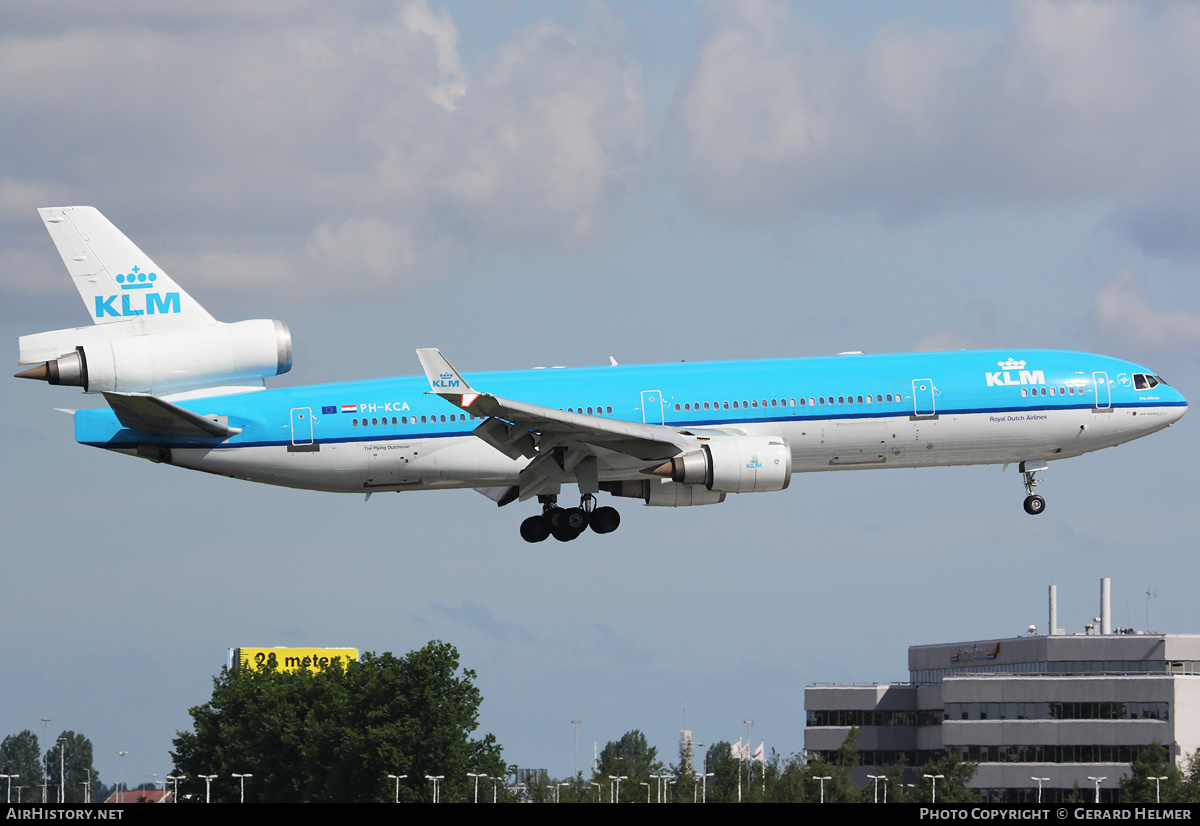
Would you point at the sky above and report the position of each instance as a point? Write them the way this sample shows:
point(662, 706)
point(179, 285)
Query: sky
point(554, 183)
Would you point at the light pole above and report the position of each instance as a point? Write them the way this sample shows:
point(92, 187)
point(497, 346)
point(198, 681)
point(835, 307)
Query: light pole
point(1098, 781)
point(120, 795)
point(877, 778)
point(616, 798)
point(703, 786)
point(495, 782)
point(436, 778)
point(935, 778)
point(476, 776)
point(822, 781)
point(242, 779)
point(1158, 788)
point(175, 778)
point(748, 762)
point(576, 723)
point(397, 778)
point(1039, 782)
point(9, 778)
point(62, 769)
point(46, 763)
point(208, 779)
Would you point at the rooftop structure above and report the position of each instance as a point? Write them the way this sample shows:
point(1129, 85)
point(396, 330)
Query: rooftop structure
point(1063, 708)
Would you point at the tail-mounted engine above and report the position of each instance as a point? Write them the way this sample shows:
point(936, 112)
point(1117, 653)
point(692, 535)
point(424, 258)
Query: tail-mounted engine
point(116, 357)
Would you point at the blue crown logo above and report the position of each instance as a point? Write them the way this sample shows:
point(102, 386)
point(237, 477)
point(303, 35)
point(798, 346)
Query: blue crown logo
point(137, 280)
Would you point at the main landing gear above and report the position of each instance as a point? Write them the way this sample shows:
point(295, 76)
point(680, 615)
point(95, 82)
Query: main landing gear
point(1034, 504)
point(565, 524)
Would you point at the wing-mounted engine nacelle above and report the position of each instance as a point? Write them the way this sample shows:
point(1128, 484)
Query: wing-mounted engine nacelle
point(734, 464)
point(125, 359)
point(664, 493)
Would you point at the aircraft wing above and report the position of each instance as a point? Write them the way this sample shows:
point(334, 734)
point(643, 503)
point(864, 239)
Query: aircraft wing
point(554, 440)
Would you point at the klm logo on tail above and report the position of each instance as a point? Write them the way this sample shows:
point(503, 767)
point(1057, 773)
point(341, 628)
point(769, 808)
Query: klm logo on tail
point(446, 380)
point(153, 303)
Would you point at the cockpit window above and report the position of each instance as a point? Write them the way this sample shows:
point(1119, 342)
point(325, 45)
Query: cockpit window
point(1141, 381)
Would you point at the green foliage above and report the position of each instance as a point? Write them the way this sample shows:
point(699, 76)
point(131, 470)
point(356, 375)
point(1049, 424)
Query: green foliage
point(20, 754)
point(75, 756)
point(725, 770)
point(335, 735)
point(630, 757)
point(955, 772)
point(1138, 788)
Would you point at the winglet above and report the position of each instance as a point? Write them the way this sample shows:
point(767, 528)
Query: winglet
point(443, 378)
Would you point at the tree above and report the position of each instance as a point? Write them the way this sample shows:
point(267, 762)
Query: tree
point(956, 772)
point(630, 757)
point(725, 770)
point(335, 735)
point(1139, 787)
point(20, 754)
point(74, 752)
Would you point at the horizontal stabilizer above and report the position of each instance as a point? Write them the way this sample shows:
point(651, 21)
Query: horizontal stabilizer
point(150, 414)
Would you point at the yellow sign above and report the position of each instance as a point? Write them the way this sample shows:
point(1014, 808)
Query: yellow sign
point(292, 659)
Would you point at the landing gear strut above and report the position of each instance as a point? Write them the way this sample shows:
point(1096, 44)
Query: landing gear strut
point(1034, 504)
point(565, 524)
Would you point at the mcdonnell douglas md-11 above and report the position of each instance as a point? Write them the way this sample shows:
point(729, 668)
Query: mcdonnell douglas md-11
point(185, 389)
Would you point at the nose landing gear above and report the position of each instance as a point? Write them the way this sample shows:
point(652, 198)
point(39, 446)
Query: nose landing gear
point(1034, 504)
point(565, 524)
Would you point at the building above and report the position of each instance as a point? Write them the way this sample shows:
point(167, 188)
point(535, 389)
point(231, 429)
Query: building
point(1066, 708)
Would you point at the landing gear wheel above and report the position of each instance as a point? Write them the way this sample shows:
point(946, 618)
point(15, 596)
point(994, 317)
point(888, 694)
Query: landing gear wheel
point(1034, 505)
point(568, 523)
point(535, 529)
point(604, 520)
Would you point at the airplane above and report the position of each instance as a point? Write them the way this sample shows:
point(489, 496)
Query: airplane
point(187, 390)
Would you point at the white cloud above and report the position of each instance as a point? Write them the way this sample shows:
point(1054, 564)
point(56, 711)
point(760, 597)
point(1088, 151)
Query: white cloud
point(1121, 310)
point(1076, 100)
point(358, 135)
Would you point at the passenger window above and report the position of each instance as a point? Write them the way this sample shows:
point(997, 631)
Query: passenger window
point(755, 403)
point(774, 403)
point(354, 423)
point(726, 405)
point(735, 404)
point(860, 399)
point(423, 420)
point(822, 401)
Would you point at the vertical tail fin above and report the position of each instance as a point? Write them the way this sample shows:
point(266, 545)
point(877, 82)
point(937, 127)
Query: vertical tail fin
point(117, 281)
